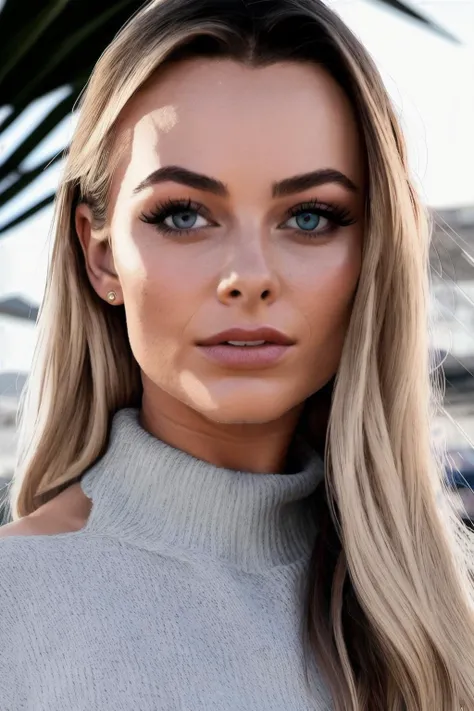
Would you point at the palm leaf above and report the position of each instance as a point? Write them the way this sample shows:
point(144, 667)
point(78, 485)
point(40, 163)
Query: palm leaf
point(410, 12)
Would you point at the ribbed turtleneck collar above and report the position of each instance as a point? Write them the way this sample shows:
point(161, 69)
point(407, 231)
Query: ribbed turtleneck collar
point(150, 494)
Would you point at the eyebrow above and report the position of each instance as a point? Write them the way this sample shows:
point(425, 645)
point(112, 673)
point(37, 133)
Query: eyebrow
point(282, 188)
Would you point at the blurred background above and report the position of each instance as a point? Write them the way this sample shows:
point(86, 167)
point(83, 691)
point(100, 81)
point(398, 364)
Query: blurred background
point(425, 52)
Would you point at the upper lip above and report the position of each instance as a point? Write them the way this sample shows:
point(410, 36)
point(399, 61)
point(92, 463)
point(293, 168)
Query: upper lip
point(265, 333)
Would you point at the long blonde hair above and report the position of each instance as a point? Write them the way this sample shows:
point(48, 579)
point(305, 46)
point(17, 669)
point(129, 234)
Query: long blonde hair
point(389, 606)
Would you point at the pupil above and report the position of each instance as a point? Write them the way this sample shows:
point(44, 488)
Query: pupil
point(307, 220)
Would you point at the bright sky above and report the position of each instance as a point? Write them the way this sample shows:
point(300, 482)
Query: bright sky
point(430, 80)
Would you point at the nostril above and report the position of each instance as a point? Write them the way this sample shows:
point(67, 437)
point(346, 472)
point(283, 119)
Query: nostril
point(265, 294)
point(235, 293)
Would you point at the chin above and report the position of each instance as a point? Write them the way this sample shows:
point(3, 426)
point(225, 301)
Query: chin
point(245, 404)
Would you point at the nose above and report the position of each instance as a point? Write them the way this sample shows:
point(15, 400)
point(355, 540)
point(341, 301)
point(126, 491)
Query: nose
point(249, 283)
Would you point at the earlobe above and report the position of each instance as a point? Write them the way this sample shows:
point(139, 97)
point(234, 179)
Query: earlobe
point(98, 256)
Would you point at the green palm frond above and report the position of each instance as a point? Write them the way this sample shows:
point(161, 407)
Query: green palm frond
point(57, 47)
point(63, 43)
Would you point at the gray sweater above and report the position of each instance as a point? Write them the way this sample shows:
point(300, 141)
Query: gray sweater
point(183, 592)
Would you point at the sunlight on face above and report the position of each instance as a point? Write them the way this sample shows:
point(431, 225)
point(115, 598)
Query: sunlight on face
point(227, 238)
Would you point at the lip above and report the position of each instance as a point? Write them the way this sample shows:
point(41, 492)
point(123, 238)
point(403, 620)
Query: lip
point(276, 346)
point(265, 333)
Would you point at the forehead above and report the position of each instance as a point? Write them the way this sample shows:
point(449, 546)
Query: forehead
point(225, 119)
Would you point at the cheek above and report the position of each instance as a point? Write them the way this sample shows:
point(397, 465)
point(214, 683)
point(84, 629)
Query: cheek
point(157, 309)
point(156, 288)
point(157, 271)
point(330, 286)
point(162, 291)
point(157, 313)
point(327, 308)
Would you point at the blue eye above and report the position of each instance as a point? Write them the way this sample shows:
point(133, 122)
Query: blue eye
point(317, 218)
point(183, 220)
point(178, 216)
point(307, 221)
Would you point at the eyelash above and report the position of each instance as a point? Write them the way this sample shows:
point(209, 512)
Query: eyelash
point(338, 216)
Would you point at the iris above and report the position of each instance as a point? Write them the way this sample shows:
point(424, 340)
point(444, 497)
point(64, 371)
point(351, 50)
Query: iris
point(184, 220)
point(308, 221)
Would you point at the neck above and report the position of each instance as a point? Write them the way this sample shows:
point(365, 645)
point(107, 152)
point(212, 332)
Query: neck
point(251, 447)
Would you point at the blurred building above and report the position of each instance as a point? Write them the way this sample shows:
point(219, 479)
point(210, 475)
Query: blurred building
point(452, 261)
point(11, 385)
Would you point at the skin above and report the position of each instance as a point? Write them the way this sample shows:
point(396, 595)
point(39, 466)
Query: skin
point(247, 128)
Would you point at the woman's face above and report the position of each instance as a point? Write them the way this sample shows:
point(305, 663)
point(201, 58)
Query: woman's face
point(238, 204)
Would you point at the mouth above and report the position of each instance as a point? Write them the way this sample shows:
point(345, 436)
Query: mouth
point(245, 343)
point(249, 338)
point(240, 348)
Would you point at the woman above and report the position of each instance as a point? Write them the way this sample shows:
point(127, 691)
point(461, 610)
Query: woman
point(238, 290)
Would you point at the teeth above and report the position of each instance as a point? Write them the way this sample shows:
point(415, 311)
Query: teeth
point(245, 343)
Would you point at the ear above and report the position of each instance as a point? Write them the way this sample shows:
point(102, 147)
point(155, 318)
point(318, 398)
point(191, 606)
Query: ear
point(98, 255)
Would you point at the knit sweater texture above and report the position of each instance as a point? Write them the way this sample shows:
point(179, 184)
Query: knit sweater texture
point(183, 592)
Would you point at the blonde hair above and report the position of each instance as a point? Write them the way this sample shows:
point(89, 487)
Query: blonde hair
point(389, 605)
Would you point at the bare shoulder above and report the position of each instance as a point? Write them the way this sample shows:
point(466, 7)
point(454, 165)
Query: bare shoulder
point(24, 527)
point(66, 513)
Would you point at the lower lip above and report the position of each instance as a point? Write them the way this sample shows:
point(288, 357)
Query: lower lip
point(245, 356)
